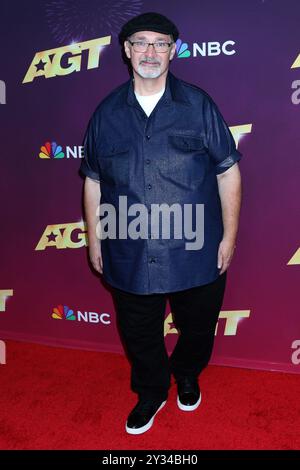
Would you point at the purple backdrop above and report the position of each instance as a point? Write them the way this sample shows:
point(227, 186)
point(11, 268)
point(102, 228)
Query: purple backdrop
point(244, 54)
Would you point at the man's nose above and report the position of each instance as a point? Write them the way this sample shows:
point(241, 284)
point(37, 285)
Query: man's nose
point(150, 50)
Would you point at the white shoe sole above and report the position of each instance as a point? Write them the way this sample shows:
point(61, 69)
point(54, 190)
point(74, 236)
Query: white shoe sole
point(147, 426)
point(188, 408)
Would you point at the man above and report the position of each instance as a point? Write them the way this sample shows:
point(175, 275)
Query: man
point(158, 142)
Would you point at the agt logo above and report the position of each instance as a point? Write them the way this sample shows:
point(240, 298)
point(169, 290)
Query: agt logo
point(52, 150)
point(232, 320)
point(66, 60)
point(296, 354)
point(2, 92)
point(295, 259)
point(238, 131)
point(205, 49)
point(4, 294)
point(63, 312)
point(64, 236)
point(296, 83)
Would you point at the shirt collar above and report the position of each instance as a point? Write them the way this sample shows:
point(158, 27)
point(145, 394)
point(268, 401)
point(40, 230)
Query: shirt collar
point(173, 92)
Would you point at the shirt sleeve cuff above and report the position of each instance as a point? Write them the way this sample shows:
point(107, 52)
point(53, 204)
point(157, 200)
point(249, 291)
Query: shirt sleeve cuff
point(228, 162)
point(85, 171)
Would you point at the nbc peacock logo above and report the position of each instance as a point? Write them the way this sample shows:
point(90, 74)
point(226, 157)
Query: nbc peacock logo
point(51, 150)
point(63, 312)
point(182, 49)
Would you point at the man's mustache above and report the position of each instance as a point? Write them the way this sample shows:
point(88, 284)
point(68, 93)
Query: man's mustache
point(150, 60)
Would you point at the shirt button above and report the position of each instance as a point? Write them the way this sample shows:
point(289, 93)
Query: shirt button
point(148, 161)
point(148, 137)
point(152, 260)
point(149, 186)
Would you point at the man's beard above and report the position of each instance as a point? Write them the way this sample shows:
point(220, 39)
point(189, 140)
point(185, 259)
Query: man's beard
point(153, 72)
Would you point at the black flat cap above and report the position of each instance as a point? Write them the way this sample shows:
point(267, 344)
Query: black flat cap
point(148, 22)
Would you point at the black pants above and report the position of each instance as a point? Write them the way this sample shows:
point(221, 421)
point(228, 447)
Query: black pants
point(141, 323)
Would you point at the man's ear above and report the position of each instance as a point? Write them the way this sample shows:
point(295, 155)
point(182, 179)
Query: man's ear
point(127, 49)
point(173, 50)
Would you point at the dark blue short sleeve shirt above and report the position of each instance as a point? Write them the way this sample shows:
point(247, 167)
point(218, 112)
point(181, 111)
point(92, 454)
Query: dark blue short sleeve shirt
point(171, 157)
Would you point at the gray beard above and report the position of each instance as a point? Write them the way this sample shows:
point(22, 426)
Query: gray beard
point(156, 72)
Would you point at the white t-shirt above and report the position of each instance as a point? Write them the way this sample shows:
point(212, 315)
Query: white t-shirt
point(149, 102)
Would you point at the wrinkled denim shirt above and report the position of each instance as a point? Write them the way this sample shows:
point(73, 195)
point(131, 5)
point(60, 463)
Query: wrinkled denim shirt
point(171, 157)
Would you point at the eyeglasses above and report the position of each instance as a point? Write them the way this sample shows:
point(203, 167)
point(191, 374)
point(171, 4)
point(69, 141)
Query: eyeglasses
point(142, 46)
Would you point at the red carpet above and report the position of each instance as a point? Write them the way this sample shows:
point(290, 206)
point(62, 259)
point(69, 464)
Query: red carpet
point(54, 398)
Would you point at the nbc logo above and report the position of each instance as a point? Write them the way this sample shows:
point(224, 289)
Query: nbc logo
point(49, 150)
point(52, 150)
point(182, 49)
point(63, 312)
point(212, 48)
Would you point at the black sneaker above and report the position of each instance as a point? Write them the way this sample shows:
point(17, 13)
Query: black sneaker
point(142, 416)
point(189, 395)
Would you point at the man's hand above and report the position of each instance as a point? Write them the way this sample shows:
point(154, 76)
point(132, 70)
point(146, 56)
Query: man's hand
point(225, 254)
point(96, 257)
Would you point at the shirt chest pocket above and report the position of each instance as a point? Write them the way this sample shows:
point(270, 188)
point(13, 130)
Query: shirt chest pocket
point(114, 164)
point(187, 159)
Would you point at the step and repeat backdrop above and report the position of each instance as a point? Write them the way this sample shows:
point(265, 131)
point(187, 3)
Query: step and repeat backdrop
point(58, 60)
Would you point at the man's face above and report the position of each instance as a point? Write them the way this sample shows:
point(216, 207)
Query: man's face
point(149, 64)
